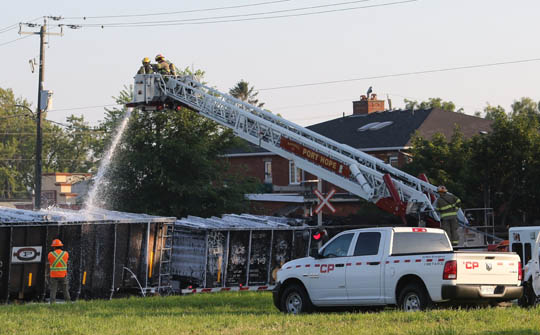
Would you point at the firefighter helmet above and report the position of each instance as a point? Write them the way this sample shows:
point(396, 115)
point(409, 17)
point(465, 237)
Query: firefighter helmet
point(158, 57)
point(146, 60)
point(56, 243)
point(442, 189)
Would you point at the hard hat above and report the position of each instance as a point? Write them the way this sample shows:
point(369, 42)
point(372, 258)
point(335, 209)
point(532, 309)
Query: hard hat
point(56, 243)
point(146, 60)
point(442, 189)
point(159, 56)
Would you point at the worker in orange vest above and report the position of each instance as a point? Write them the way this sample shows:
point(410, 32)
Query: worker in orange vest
point(58, 262)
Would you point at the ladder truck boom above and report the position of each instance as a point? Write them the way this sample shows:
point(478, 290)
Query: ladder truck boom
point(344, 166)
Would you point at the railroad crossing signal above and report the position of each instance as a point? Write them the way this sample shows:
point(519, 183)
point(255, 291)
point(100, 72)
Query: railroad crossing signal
point(324, 201)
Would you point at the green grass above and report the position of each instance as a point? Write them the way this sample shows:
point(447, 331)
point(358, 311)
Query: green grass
point(249, 313)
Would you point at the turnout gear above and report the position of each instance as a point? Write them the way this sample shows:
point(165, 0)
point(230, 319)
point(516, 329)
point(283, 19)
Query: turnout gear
point(448, 205)
point(442, 189)
point(146, 67)
point(164, 67)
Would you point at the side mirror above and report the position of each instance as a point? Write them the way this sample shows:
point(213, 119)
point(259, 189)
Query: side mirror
point(315, 254)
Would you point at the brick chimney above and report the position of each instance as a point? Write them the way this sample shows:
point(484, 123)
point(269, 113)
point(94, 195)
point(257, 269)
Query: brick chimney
point(368, 106)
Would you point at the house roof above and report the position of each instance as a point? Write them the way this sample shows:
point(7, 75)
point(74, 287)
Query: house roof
point(389, 130)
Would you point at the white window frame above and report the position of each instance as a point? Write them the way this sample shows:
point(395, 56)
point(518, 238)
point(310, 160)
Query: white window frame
point(296, 175)
point(392, 159)
point(268, 172)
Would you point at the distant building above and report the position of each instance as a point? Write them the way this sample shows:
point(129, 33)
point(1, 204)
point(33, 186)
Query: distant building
point(385, 134)
point(60, 189)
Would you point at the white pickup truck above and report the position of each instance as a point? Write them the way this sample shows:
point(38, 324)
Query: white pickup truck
point(412, 268)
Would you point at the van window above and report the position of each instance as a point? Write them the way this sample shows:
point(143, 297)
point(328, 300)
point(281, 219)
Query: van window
point(367, 244)
point(412, 243)
point(527, 253)
point(518, 249)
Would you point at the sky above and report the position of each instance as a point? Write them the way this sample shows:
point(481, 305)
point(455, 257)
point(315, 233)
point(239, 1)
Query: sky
point(86, 67)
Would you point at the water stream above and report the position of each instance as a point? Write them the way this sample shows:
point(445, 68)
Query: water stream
point(94, 201)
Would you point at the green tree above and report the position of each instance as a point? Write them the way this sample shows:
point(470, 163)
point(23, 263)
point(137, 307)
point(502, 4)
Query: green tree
point(245, 93)
point(169, 164)
point(448, 106)
point(72, 148)
point(17, 146)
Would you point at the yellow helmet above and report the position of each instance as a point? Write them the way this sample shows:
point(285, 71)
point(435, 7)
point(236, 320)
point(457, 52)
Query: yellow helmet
point(146, 60)
point(159, 57)
point(442, 189)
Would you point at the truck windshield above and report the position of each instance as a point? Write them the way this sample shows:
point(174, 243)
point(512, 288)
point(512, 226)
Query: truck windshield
point(413, 243)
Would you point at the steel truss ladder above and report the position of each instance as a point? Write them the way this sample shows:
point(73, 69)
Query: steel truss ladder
point(370, 178)
point(165, 258)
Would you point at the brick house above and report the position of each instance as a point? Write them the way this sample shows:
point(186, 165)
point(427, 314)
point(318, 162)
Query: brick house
point(385, 134)
point(60, 189)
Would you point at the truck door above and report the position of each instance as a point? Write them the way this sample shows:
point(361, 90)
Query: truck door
point(325, 281)
point(364, 275)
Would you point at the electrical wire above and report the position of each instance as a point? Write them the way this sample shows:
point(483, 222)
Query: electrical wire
point(86, 107)
point(15, 40)
point(402, 74)
point(5, 30)
point(182, 22)
point(236, 15)
point(176, 12)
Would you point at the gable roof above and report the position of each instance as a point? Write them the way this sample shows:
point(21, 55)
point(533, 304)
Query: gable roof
point(390, 130)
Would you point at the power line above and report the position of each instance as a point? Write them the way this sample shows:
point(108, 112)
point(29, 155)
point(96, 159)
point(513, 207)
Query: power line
point(176, 12)
point(182, 22)
point(5, 30)
point(15, 25)
point(85, 107)
point(402, 74)
point(236, 15)
point(15, 40)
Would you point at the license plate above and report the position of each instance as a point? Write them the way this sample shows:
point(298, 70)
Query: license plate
point(487, 290)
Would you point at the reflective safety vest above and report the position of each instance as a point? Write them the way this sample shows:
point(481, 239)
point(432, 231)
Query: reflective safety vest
point(58, 260)
point(447, 205)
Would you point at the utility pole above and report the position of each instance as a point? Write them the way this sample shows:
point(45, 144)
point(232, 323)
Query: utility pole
point(41, 105)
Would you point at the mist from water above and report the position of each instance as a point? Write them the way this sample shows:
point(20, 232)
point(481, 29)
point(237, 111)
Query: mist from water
point(94, 201)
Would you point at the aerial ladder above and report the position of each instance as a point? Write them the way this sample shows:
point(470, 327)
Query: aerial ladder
point(342, 165)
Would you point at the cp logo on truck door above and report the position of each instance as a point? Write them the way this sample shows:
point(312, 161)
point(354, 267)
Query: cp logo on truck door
point(471, 265)
point(325, 268)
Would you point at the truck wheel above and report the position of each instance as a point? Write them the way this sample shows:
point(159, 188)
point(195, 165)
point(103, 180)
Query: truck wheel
point(413, 298)
point(295, 300)
point(529, 297)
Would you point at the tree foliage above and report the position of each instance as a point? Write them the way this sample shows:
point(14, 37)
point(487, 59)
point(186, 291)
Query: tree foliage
point(244, 92)
point(65, 149)
point(503, 164)
point(447, 106)
point(169, 164)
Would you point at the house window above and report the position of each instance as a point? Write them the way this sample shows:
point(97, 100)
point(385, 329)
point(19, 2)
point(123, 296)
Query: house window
point(268, 172)
point(295, 174)
point(393, 160)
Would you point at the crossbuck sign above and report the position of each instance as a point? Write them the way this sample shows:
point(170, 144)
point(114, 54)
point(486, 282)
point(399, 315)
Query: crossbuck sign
point(324, 201)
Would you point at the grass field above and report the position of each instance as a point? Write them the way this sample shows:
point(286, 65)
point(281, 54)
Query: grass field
point(249, 313)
